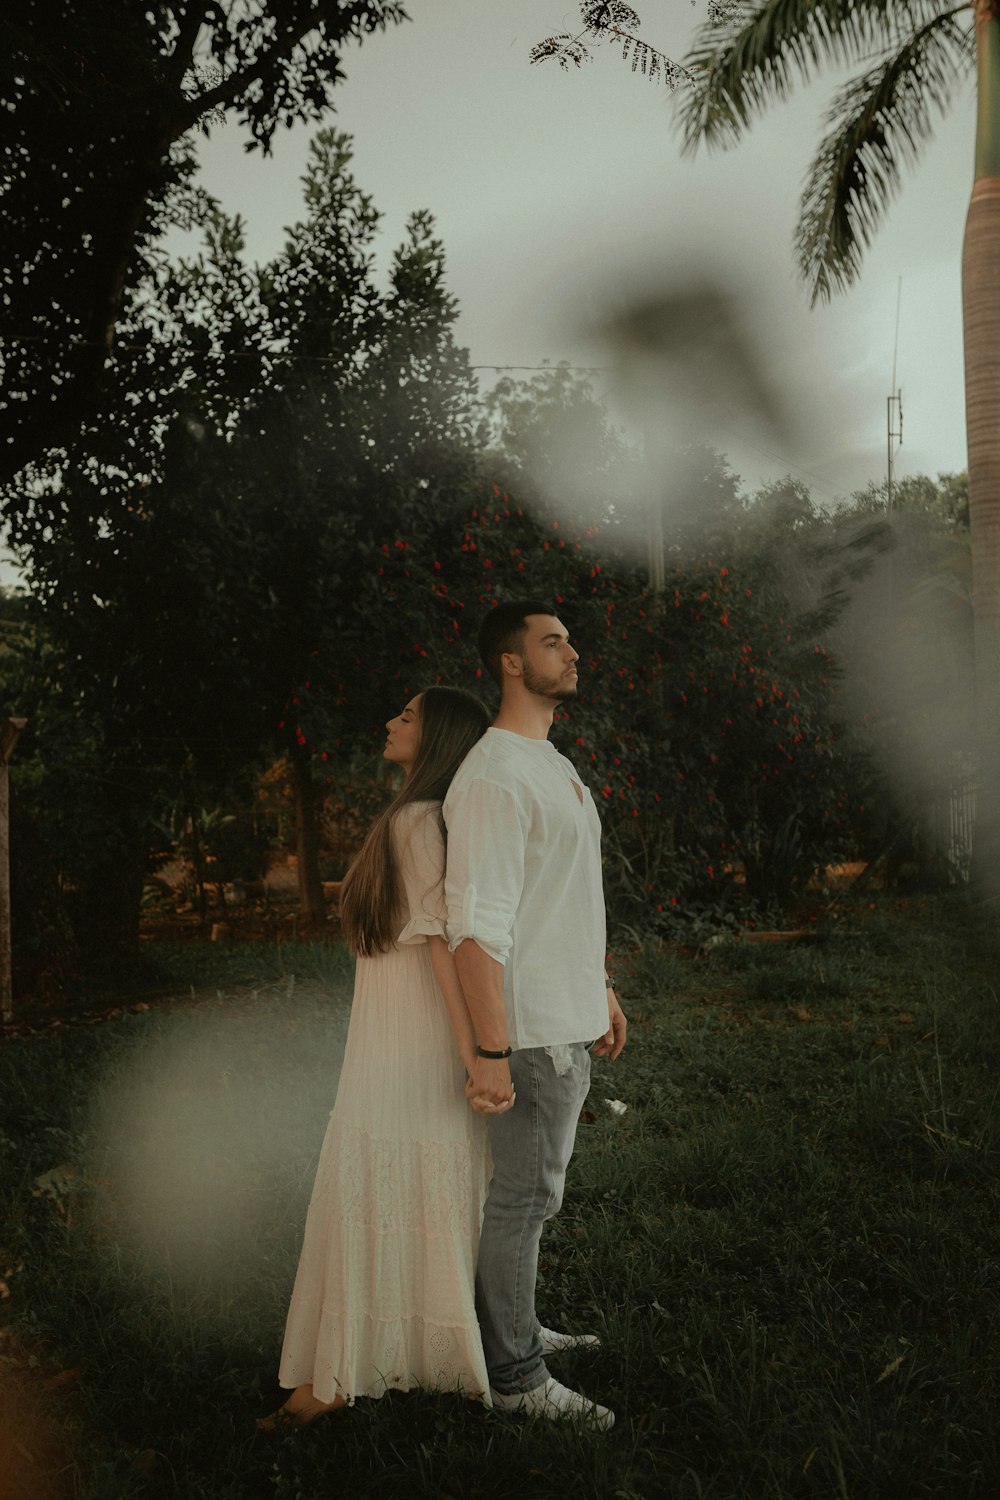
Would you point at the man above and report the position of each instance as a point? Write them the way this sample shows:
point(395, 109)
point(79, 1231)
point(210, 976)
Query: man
point(526, 922)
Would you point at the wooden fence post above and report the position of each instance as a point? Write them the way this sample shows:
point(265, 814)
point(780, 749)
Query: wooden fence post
point(9, 731)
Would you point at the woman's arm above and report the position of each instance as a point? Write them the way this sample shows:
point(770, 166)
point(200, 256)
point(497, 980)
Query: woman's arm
point(446, 974)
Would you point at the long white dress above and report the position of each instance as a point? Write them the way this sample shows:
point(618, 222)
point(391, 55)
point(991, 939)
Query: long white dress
point(384, 1295)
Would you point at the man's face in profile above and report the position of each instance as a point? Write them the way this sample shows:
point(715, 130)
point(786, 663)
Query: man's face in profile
point(548, 661)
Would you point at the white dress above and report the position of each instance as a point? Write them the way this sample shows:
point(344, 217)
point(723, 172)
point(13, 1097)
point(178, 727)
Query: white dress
point(384, 1295)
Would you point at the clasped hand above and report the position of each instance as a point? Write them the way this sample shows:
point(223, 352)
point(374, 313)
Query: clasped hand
point(489, 1088)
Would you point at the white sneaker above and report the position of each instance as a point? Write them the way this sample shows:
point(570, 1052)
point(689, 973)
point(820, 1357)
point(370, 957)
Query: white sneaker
point(556, 1343)
point(554, 1401)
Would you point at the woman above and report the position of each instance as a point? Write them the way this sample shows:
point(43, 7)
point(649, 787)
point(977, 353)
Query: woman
point(384, 1294)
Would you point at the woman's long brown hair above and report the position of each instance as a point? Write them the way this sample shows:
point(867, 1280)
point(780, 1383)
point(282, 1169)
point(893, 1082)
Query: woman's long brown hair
point(451, 721)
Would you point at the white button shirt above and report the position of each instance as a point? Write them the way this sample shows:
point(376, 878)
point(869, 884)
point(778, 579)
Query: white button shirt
point(524, 882)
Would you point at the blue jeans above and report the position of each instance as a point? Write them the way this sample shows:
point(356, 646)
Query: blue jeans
point(531, 1147)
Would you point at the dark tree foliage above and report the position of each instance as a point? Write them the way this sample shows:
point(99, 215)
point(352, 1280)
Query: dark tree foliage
point(310, 407)
point(100, 99)
point(616, 23)
point(553, 443)
point(217, 533)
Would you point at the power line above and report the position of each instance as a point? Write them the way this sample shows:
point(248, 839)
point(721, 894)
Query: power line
point(549, 368)
point(776, 458)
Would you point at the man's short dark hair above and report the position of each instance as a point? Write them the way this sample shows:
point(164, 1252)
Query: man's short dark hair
point(503, 630)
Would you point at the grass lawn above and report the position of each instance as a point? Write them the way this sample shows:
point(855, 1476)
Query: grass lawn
point(789, 1242)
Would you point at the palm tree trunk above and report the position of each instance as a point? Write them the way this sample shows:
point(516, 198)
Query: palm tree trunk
point(981, 322)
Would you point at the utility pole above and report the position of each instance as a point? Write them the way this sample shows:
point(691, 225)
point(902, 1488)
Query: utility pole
point(10, 730)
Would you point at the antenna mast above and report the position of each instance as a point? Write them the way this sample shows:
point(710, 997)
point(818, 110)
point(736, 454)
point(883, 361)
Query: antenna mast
point(891, 401)
point(893, 432)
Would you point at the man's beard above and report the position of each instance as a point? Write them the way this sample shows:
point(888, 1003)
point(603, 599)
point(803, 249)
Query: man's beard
point(545, 687)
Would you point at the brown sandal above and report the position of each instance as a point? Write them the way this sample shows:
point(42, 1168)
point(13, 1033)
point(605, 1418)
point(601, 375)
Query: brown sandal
point(299, 1410)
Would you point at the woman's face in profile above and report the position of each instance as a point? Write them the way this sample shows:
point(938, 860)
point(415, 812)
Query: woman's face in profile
point(403, 739)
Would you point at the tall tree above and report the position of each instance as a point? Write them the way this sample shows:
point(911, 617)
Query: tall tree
point(100, 100)
point(203, 555)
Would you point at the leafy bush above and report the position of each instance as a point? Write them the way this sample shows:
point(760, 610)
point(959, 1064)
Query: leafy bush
point(705, 724)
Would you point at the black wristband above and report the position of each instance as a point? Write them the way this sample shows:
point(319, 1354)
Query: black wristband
point(609, 983)
point(493, 1056)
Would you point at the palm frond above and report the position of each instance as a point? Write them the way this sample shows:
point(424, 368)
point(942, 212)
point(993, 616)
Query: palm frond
point(736, 75)
point(877, 124)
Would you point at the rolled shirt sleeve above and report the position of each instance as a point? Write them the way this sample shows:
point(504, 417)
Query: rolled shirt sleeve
point(419, 846)
point(485, 877)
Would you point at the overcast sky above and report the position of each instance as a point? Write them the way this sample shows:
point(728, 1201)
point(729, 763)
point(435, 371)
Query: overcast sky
point(557, 195)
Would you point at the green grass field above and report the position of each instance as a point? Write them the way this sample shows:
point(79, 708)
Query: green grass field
point(789, 1242)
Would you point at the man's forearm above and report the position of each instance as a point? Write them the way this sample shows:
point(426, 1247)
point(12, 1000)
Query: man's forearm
point(482, 984)
point(446, 974)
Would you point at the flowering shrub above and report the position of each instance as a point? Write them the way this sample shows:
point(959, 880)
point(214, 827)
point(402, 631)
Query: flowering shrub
point(705, 722)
